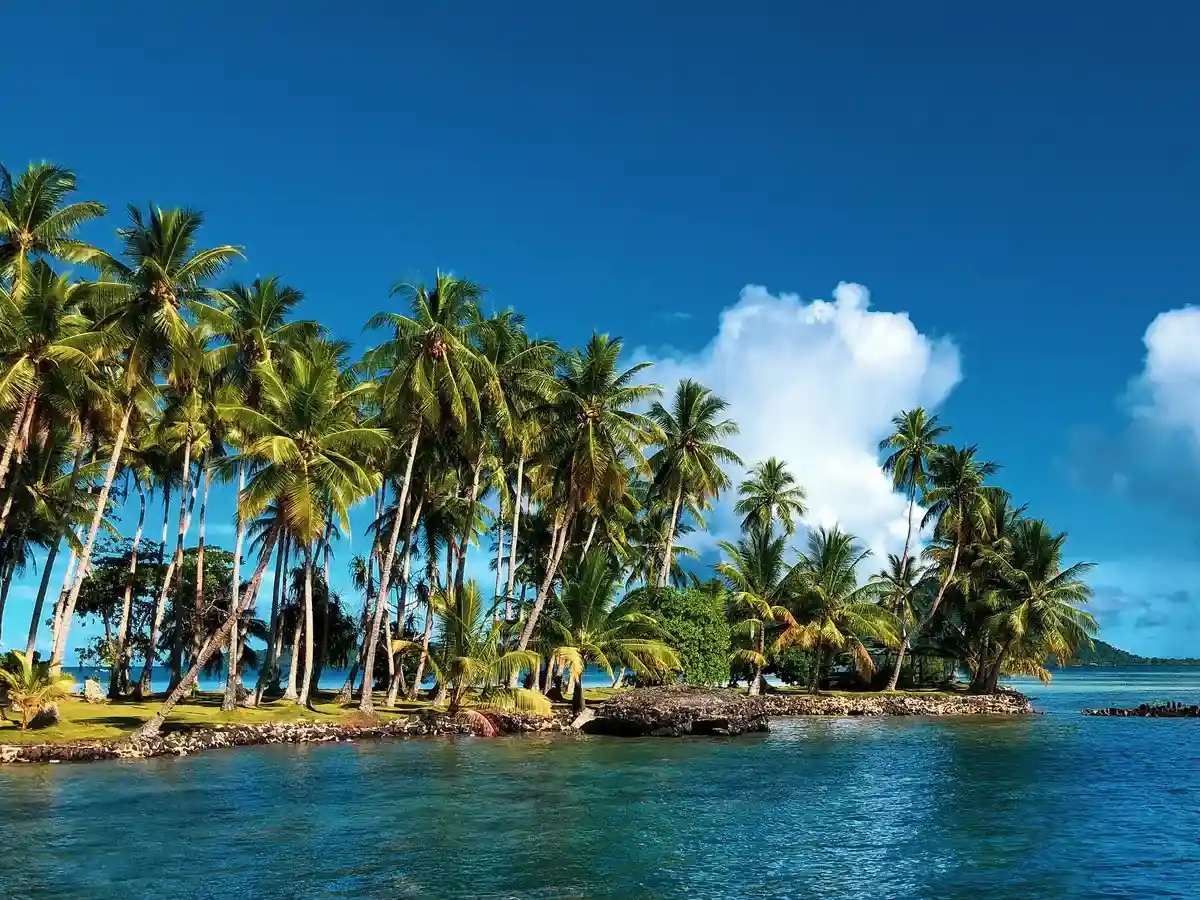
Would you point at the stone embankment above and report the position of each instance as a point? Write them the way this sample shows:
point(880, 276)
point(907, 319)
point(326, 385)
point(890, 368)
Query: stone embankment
point(1149, 711)
point(681, 710)
point(196, 740)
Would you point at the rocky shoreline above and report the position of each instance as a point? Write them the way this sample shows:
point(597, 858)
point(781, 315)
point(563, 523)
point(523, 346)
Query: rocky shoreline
point(666, 711)
point(680, 710)
point(1171, 710)
point(197, 740)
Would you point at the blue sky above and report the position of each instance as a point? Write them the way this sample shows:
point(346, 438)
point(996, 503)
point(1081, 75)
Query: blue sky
point(1022, 186)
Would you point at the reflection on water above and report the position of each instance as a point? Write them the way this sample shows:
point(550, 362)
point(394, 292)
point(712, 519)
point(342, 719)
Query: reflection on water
point(1055, 806)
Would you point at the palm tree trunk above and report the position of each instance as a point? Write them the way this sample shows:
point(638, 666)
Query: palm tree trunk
point(468, 528)
point(309, 643)
point(61, 603)
point(323, 645)
point(499, 562)
point(22, 443)
point(367, 703)
point(578, 701)
point(665, 572)
point(539, 600)
point(119, 674)
point(85, 559)
point(419, 675)
point(9, 570)
point(294, 668)
point(17, 428)
point(397, 674)
point(142, 688)
point(198, 606)
point(512, 550)
point(266, 673)
point(48, 566)
point(587, 545)
point(176, 660)
point(618, 677)
point(233, 676)
point(211, 646)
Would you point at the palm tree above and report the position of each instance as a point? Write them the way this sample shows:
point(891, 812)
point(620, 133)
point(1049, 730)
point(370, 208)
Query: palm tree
point(305, 448)
point(1039, 610)
point(32, 686)
point(51, 350)
point(911, 446)
point(589, 627)
point(163, 272)
point(689, 460)
point(901, 583)
point(595, 435)
point(34, 220)
point(471, 654)
point(429, 378)
point(832, 612)
point(958, 500)
point(761, 587)
point(771, 494)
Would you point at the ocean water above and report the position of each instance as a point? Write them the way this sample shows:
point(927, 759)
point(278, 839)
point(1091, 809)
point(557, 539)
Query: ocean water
point(1054, 806)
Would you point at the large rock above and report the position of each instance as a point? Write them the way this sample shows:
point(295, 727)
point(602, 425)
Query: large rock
point(677, 710)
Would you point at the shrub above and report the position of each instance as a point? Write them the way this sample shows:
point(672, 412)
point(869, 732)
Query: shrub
point(696, 629)
point(29, 686)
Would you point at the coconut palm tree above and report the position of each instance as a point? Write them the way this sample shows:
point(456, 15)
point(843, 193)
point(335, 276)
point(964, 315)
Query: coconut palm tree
point(35, 220)
point(831, 611)
point(588, 626)
point(162, 272)
point(914, 441)
point(1038, 612)
point(470, 654)
point(595, 435)
point(430, 376)
point(689, 461)
point(305, 449)
point(769, 495)
point(761, 589)
point(31, 686)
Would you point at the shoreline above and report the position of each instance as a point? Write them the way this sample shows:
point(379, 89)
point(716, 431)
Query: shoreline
point(684, 716)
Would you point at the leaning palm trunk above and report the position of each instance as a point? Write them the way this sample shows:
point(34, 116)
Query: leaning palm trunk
point(465, 541)
point(419, 674)
point(397, 674)
point(119, 676)
point(211, 646)
point(268, 673)
point(176, 659)
point(367, 703)
point(323, 646)
point(539, 600)
point(309, 643)
point(160, 606)
point(665, 571)
point(894, 678)
point(499, 562)
point(48, 566)
point(924, 623)
point(18, 426)
point(233, 676)
point(294, 669)
point(85, 559)
point(198, 605)
point(22, 443)
point(512, 550)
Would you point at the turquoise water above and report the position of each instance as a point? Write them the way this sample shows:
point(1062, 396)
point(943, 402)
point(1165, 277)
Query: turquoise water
point(1058, 806)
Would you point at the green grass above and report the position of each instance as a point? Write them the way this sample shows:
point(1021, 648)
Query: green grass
point(106, 721)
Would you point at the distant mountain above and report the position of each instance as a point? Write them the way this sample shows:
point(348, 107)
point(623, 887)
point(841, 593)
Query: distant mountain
point(1103, 654)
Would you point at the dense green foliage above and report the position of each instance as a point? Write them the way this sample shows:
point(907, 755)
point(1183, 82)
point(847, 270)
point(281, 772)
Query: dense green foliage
point(139, 373)
point(695, 626)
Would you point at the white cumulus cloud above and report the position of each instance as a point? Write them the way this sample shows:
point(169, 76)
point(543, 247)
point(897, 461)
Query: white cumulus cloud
point(1167, 392)
point(816, 384)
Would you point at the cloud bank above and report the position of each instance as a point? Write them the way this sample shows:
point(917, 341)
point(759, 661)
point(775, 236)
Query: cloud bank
point(817, 383)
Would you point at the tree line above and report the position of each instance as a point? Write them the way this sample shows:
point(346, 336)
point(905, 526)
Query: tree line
point(139, 373)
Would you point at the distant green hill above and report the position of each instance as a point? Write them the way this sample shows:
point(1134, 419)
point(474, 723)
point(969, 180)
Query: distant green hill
point(1103, 654)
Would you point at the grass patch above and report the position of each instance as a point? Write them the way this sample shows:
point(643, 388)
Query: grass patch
point(106, 721)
